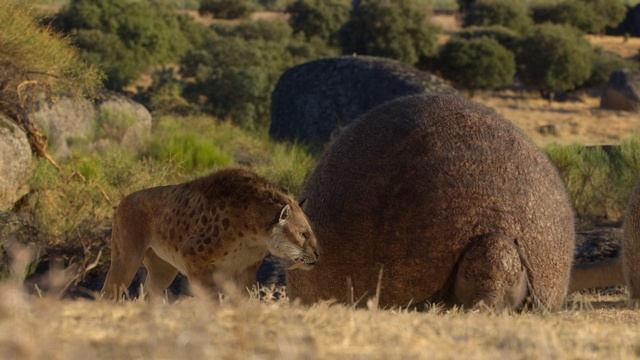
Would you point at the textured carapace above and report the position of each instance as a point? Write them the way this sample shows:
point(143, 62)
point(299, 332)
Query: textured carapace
point(426, 189)
point(631, 245)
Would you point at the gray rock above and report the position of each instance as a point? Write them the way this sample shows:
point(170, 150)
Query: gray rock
point(312, 100)
point(110, 117)
point(123, 120)
point(622, 91)
point(15, 163)
point(63, 121)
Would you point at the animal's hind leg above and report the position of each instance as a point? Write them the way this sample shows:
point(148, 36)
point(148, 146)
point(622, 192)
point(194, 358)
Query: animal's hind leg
point(490, 272)
point(121, 271)
point(126, 258)
point(160, 274)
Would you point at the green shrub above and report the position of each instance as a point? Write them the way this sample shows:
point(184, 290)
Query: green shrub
point(321, 18)
point(228, 9)
point(36, 54)
point(604, 64)
point(288, 166)
point(189, 150)
point(508, 38)
point(236, 71)
point(396, 30)
point(124, 37)
point(480, 63)
point(592, 16)
point(599, 183)
point(199, 145)
point(165, 95)
point(555, 58)
point(275, 5)
point(465, 5)
point(512, 14)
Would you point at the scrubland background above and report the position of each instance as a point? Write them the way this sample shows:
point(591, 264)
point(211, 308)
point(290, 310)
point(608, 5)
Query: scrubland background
point(206, 70)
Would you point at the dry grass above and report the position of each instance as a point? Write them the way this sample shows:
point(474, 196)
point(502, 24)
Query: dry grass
point(628, 48)
point(449, 24)
point(576, 122)
point(190, 329)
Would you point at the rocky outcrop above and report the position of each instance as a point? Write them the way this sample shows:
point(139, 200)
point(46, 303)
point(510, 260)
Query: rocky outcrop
point(110, 117)
point(622, 91)
point(63, 121)
point(15, 163)
point(314, 99)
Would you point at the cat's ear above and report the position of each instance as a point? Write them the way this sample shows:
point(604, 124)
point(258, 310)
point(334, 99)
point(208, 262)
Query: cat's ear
point(285, 213)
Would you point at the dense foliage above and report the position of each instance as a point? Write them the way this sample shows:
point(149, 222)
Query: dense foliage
point(237, 68)
point(604, 64)
point(228, 9)
point(124, 37)
point(512, 14)
point(555, 58)
point(508, 38)
point(321, 18)
point(480, 63)
point(393, 29)
point(592, 16)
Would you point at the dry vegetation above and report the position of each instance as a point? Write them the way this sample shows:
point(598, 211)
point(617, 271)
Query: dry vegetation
point(626, 48)
point(576, 121)
point(592, 326)
point(193, 328)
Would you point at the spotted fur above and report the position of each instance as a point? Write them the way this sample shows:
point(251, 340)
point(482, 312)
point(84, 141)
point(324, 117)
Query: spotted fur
point(222, 223)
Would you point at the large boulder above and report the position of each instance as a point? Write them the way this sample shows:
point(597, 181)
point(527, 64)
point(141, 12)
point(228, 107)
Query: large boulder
point(311, 100)
point(123, 120)
point(15, 163)
point(622, 91)
point(110, 116)
point(447, 201)
point(63, 121)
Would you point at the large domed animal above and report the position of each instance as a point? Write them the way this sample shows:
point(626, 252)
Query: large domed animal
point(447, 201)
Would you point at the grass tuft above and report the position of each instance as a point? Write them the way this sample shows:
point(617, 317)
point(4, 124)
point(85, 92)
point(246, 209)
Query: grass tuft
point(599, 182)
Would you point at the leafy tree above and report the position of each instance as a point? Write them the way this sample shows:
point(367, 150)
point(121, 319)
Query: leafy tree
point(508, 38)
point(165, 95)
point(321, 18)
point(512, 14)
point(228, 9)
point(591, 16)
point(275, 5)
point(555, 58)
point(123, 37)
point(465, 5)
point(393, 29)
point(604, 64)
point(238, 67)
point(480, 63)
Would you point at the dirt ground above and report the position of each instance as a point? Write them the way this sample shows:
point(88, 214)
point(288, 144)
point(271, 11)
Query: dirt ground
point(575, 121)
